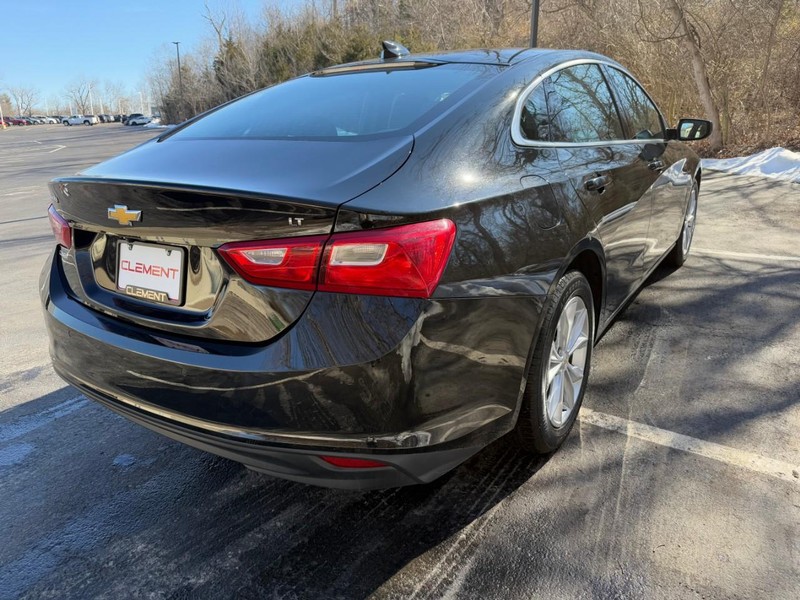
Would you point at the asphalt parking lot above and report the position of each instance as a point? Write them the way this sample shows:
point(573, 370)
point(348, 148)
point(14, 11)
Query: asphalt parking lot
point(681, 480)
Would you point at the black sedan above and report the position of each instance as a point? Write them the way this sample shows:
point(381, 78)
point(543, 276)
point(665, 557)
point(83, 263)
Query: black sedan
point(361, 277)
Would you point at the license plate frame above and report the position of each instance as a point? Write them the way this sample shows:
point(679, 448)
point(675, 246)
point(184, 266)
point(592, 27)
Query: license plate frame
point(145, 286)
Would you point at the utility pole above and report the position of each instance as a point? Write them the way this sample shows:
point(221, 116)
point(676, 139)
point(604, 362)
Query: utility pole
point(180, 79)
point(534, 23)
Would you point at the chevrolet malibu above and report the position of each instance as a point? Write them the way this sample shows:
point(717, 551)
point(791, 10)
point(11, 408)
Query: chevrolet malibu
point(361, 277)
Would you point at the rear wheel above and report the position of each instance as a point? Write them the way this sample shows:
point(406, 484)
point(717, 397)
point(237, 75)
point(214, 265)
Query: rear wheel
point(560, 367)
point(680, 252)
point(87, 123)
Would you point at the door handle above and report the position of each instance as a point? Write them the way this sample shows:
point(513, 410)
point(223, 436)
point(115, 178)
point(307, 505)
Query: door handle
point(656, 165)
point(597, 184)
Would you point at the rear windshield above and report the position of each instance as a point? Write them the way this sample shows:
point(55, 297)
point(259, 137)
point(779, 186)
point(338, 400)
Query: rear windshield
point(345, 105)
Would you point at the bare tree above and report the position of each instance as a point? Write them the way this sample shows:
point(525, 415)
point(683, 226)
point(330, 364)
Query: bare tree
point(113, 95)
point(691, 42)
point(736, 62)
point(24, 98)
point(79, 93)
point(5, 104)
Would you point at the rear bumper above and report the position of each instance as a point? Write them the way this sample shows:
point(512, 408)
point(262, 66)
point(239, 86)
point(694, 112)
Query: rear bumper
point(299, 464)
point(418, 385)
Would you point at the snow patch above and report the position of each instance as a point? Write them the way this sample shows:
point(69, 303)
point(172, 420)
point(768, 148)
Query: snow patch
point(775, 163)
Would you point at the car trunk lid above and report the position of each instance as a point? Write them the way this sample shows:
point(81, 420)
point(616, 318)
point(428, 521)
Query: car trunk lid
point(192, 196)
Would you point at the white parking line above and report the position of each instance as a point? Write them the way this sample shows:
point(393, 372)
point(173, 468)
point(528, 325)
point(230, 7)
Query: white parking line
point(725, 253)
point(670, 439)
point(26, 424)
point(58, 147)
point(22, 190)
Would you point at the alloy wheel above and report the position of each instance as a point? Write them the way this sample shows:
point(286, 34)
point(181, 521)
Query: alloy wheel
point(563, 378)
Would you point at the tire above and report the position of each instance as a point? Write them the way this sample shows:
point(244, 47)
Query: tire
point(545, 418)
point(87, 122)
point(683, 244)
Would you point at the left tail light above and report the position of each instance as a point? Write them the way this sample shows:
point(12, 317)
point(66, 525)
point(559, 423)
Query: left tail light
point(60, 227)
point(396, 261)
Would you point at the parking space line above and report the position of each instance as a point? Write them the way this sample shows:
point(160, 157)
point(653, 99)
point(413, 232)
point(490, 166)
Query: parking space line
point(685, 443)
point(726, 254)
point(24, 425)
point(23, 220)
point(22, 190)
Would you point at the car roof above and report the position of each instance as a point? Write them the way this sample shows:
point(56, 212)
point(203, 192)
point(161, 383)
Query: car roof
point(485, 56)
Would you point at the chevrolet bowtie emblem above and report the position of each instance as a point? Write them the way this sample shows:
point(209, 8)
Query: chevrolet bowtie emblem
point(121, 213)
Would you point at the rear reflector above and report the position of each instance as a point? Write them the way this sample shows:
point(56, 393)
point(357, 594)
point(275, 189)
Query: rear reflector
point(60, 227)
point(352, 463)
point(397, 261)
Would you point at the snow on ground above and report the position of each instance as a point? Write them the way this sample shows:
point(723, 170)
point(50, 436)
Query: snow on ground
point(775, 163)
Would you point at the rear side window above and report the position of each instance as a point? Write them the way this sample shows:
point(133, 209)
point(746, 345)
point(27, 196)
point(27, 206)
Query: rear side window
point(643, 117)
point(344, 105)
point(534, 121)
point(581, 106)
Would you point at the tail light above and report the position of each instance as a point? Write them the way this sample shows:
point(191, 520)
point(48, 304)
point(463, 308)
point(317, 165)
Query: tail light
point(61, 229)
point(289, 263)
point(344, 462)
point(398, 261)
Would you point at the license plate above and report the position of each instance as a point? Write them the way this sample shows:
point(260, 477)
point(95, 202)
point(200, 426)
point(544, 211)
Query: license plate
point(151, 272)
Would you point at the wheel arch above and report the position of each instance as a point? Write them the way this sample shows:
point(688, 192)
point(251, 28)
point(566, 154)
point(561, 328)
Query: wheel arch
point(588, 257)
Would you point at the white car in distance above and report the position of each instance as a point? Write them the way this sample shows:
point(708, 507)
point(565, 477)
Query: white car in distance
point(80, 120)
point(142, 120)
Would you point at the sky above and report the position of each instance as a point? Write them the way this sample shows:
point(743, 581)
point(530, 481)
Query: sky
point(48, 43)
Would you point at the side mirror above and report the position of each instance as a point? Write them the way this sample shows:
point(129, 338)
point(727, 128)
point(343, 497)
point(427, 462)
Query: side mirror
point(690, 130)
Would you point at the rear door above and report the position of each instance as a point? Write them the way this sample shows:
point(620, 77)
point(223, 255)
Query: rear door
point(604, 170)
point(668, 192)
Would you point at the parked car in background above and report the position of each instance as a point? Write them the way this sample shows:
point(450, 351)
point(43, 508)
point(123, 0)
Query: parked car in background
point(16, 121)
point(138, 120)
point(127, 120)
point(361, 277)
point(80, 120)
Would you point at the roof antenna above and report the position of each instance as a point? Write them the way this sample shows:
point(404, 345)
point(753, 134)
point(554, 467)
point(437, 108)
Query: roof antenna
point(393, 50)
